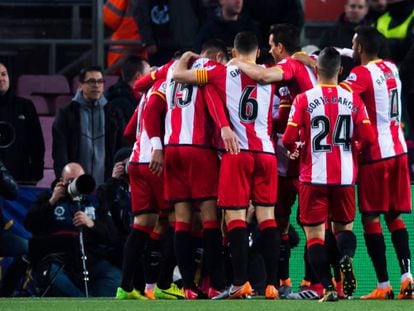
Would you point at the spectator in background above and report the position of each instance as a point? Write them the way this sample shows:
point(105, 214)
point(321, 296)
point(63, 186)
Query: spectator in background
point(120, 16)
point(343, 31)
point(397, 26)
point(229, 22)
point(56, 220)
point(11, 245)
point(89, 129)
point(167, 26)
point(375, 9)
point(269, 12)
point(120, 94)
point(22, 148)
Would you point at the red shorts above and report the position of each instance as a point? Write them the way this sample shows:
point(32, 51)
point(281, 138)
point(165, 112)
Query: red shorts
point(384, 186)
point(190, 174)
point(146, 190)
point(287, 189)
point(247, 176)
point(317, 204)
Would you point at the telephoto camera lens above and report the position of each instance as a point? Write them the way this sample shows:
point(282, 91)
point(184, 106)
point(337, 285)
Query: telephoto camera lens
point(81, 185)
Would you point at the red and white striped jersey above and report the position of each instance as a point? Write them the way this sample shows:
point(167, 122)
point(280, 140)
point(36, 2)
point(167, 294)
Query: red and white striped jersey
point(141, 152)
point(298, 77)
point(188, 121)
point(379, 86)
point(248, 103)
point(326, 117)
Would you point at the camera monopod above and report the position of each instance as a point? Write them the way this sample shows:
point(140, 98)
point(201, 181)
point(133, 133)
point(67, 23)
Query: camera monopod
point(85, 272)
point(83, 184)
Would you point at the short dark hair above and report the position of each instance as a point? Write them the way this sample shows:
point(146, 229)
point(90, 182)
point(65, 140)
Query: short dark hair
point(246, 42)
point(329, 61)
point(215, 46)
point(371, 40)
point(130, 66)
point(83, 71)
point(288, 35)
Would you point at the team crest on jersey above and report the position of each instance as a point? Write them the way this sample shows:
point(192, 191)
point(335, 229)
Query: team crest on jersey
point(163, 87)
point(352, 77)
point(284, 91)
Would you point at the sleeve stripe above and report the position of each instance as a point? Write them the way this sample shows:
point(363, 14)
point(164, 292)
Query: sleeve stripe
point(153, 75)
point(347, 86)
point(366, 121)
point(292, 124)
point(159, 94)
point(284, 106)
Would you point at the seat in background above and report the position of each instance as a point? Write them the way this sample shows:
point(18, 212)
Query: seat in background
point(43, 90)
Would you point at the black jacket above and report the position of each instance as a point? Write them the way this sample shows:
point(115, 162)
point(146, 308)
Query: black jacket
point(66, 136)
point(53, 231)
point(8, 188)
point(341, 34)
point(120, 95)
point(217, 28)
point(24, 157)
point(115, 196)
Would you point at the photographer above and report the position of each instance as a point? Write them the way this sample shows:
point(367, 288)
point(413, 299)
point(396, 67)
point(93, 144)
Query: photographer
point(56, 221)
point(11, 245)
point(115, 196)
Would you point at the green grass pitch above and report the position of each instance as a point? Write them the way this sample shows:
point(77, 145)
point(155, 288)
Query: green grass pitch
point(75, 304)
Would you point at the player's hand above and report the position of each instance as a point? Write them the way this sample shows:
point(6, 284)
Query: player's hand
point(304, 59)
point(293, 155)
point(190, 55)
point(118, 170)
point(231, 143)
point(58, 193)
point(157, 161)
point(81, 219)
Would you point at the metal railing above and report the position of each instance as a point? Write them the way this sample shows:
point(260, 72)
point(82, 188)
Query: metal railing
point(97, 42)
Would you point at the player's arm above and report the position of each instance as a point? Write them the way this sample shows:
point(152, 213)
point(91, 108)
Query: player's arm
point(131, 128)
point(305, 59)
point(153, 116)
point(258, 73)
point(364, 133)
point(183, 74)
point(217, 111)
point(282, 116)
point(358, 80)
point(290, 136)
point(145, 82)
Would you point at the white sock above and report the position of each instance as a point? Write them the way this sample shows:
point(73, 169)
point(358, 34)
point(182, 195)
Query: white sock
point(406, 276)
point(383, 284)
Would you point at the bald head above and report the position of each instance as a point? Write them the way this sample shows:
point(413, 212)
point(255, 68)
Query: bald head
point(71, 171)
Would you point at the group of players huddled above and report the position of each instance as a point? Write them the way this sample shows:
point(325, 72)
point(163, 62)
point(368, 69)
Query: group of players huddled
point(218, 140)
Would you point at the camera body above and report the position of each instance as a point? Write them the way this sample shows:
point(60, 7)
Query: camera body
point(81, 185)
